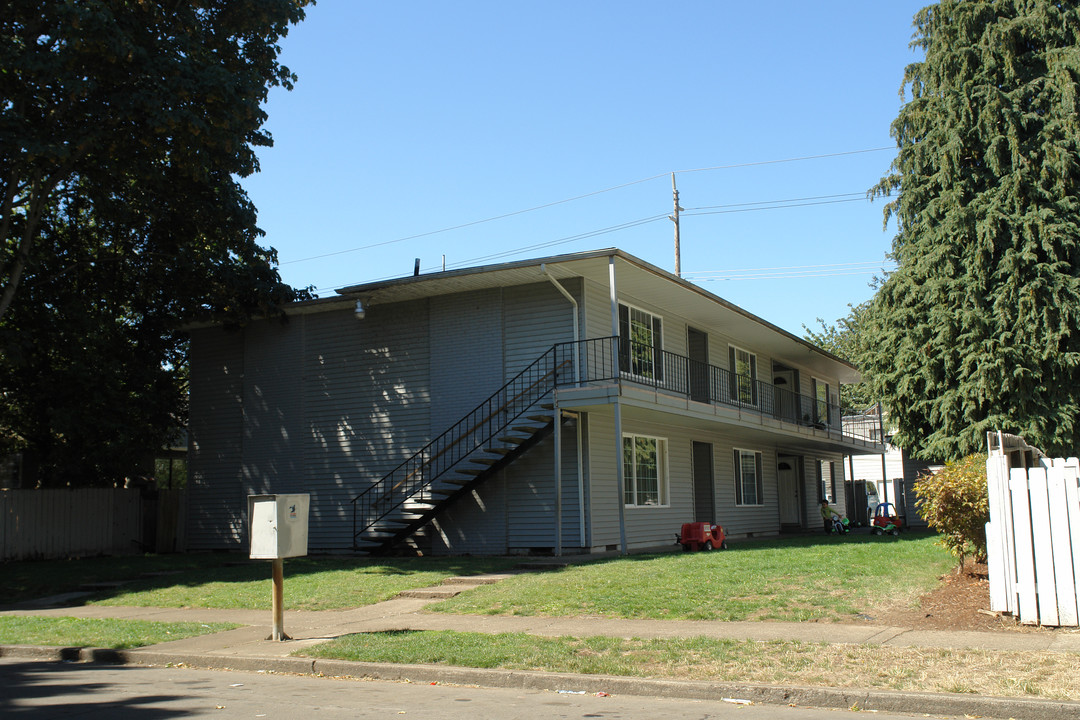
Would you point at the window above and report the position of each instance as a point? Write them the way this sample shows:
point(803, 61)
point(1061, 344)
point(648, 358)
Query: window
point(748, 481)
point(644, 471)
point(821, 402)
point(641, 343)
point(743, 364)
point(827, 476)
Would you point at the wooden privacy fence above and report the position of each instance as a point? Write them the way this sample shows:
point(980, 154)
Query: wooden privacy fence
point(1033, 537)
point(42, 524)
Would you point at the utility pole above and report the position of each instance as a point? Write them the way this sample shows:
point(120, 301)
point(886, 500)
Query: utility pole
point(675, 219)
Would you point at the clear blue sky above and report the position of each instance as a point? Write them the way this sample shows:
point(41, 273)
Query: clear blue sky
point(414, 117)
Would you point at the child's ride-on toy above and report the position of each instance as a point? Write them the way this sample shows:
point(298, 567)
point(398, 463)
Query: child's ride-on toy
point(701, 536)
point(841, 525)
point(885, 520)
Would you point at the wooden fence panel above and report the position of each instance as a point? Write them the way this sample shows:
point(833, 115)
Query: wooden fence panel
point(999, 537)
point(1061, 546)
point(1033, 540)
point(1023, 547)
point(1072, 502)
point(1043, 548)
point(70, 523)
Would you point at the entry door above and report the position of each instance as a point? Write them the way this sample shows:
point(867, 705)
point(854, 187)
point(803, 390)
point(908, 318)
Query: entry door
point(704, 492)
point(787, 476)
point(697, 344)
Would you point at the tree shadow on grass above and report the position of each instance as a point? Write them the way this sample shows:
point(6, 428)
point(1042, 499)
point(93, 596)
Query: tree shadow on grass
point(104, 578)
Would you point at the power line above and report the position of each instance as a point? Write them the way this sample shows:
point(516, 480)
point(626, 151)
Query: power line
point(774, 207)
point(516, 251)
point(580, 197)
point(770, 202)
point(791, 271)
point(774, 162)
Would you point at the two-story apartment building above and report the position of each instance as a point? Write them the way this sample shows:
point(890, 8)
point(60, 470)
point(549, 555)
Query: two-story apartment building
point(577, 403)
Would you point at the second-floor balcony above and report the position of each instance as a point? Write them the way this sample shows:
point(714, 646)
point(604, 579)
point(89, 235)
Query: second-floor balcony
point(608, 359)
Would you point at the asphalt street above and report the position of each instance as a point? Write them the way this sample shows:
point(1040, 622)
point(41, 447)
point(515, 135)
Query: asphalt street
point(38, 689)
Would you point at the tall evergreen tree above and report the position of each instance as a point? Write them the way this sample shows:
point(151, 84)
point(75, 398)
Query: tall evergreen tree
point(978, 328)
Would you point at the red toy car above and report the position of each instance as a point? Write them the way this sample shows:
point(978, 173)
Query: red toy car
point(885, 520)
point(701, 536)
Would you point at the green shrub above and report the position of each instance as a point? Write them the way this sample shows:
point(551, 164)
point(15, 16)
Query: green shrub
point(954, 502)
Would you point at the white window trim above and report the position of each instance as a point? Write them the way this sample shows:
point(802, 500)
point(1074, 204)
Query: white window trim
point(827, 493)
point(658, 342)
point(661, 468)
point(818, 382)
point(755, 400)
point(759, 462)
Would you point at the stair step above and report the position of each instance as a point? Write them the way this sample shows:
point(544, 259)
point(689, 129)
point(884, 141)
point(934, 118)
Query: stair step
point(512, 439)
point(545, 419)
point(432, 593)
point(498, 450)
point(402, 519)
point(528, 429)
point(488, 579)
point(484, 461)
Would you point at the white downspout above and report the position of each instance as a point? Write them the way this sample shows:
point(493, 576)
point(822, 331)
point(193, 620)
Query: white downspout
point(620, 479)
point(577, 331)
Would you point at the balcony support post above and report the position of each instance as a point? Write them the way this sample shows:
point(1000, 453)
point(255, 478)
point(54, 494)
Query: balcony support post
point(558, 473)
point(619, 471)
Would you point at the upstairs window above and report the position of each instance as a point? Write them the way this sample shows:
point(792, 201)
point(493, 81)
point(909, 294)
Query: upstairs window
point(641, 346)
point(743, 364)
point(822, 412)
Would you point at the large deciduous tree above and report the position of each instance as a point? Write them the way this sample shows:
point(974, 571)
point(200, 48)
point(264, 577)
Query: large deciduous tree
point(845, 339)
point(125, 126)
point(978, 328)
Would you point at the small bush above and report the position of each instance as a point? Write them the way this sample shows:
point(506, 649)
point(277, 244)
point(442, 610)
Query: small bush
point(954, 502)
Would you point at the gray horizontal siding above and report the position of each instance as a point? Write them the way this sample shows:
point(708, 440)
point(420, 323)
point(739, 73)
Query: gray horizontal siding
point(273, 438)
point(536, 317)
point(531, 495)
point(366, 399)
point(216, 502)
point(466, 349)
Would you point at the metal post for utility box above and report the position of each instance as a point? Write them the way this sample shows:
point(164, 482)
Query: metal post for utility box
point(279, 529)
point(278, 633)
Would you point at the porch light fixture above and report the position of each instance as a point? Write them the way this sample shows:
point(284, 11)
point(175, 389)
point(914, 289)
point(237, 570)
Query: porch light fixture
point(359, 312)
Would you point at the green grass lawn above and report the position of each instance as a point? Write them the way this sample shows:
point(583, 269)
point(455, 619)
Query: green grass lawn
point(233, 581)
point(797, 579)
point(98, 633)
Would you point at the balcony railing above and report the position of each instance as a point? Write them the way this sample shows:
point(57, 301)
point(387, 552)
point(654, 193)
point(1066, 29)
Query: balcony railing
point(610, 358)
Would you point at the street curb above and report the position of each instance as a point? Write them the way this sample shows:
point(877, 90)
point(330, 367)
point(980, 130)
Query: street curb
point(831, 698)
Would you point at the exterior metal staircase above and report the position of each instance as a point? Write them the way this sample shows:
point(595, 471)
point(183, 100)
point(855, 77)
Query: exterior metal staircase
point(490, 437)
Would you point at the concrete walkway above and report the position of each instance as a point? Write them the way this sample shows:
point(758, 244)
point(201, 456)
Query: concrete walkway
point(248, 648)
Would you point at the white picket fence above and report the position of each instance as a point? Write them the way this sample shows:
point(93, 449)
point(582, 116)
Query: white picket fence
point(1033, 537)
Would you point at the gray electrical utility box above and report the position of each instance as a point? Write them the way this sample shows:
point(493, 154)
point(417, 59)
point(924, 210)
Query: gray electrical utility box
point(279, 525)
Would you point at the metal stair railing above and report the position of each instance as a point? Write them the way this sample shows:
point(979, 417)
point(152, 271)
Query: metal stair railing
point(413, 479)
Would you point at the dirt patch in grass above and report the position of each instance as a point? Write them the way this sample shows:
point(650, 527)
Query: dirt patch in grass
point(960, 602)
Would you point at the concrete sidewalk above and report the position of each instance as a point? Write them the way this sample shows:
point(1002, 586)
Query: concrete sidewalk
point(247, 648)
